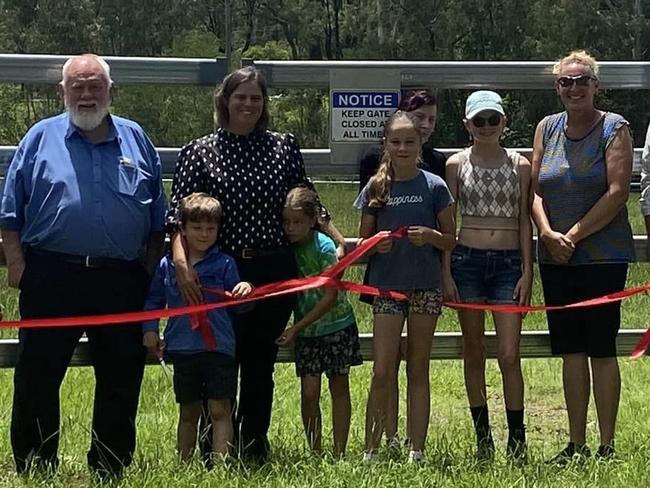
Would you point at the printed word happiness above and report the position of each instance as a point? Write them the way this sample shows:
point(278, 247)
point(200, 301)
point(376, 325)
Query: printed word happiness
point(401, 200)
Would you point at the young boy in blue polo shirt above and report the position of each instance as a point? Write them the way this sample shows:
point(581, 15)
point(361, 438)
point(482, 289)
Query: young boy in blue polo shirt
point(202, 347)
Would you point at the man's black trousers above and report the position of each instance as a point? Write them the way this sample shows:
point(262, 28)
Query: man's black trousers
point(52, 287)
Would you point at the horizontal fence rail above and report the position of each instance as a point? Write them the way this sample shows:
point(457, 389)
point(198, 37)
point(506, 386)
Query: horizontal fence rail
point(37, 68)
point(640, 246)
point(446, 345)
point(532, 75)
point(529, 75)
point(317, 162)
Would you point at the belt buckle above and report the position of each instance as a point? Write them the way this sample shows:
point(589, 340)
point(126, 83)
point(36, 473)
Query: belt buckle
point(247, 253)
point(88, 262)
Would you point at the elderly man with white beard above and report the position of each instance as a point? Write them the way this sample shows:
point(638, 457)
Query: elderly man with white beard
point(81, 217)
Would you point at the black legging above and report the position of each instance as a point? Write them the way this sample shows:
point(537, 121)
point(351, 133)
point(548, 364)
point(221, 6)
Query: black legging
point(256, 330)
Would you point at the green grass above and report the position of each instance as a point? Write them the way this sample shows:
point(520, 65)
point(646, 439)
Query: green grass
point(450, 442)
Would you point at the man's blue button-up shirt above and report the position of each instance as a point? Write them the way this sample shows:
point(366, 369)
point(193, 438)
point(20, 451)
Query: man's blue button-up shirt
point(66, 194)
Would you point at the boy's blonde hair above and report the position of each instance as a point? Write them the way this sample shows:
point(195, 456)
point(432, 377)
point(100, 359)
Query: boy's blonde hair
point(199, 207)
point(578, 57)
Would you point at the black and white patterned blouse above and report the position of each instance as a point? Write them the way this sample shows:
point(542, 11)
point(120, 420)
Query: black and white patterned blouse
point(250, 175)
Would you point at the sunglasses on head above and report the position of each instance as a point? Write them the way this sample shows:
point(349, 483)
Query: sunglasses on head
point(492, 120)
point(580, 80)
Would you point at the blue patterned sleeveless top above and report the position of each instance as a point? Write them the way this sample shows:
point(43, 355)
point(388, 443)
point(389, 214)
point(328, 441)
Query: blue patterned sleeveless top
point(572, 178)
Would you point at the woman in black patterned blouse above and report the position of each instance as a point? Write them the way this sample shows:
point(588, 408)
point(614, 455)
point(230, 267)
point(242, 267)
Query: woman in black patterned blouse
point(249, 170)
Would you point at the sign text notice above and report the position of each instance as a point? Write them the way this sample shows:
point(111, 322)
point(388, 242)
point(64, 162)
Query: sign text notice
point(358, 116)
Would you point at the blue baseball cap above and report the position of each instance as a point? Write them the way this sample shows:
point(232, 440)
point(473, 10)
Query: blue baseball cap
point(483, 100)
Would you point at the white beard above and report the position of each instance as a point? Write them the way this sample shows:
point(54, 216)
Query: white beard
point(88, 120)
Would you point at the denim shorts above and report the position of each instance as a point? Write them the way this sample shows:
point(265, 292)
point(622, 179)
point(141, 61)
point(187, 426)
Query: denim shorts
point(485, 276)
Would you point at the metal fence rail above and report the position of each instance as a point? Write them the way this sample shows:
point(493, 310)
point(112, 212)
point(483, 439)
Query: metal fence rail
point(446, 345)
point(38, 68)
point(317, 162)
point(530, 75)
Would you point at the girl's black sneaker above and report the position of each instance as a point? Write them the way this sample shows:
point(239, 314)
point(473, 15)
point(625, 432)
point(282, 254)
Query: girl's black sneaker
point(571, 453)
point(605, 453)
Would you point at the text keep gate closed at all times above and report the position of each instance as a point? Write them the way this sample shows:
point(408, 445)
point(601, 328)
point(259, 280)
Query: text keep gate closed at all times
point(361, 115)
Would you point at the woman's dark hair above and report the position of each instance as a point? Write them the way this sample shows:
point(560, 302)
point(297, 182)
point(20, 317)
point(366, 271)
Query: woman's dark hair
point(229, 85)
point(416, 98)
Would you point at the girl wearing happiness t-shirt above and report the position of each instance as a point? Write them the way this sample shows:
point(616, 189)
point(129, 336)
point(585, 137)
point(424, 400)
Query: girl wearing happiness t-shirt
point(402, 195)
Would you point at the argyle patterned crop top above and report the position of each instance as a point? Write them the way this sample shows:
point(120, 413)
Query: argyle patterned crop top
point(489, 192)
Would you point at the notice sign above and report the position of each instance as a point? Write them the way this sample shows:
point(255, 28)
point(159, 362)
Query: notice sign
point(358, 116)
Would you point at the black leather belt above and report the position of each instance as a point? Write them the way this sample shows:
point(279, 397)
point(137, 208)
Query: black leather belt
point(85, 261)
point(250, 253)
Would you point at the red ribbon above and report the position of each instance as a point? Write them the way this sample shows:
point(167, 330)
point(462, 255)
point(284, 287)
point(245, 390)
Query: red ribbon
point(270, 290)
point(642, 346)
point(592, 302)
point(328, 278)
point(199, 321)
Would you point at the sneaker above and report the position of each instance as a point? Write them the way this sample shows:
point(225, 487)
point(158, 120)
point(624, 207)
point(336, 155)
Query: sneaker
point(605, 453)
point(370, 457)
point(516, 449)
point(416, 457)
point(571, 453)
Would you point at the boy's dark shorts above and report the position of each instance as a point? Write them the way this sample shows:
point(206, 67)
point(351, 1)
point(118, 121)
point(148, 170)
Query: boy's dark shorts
point(589, 330)
point(204, 376)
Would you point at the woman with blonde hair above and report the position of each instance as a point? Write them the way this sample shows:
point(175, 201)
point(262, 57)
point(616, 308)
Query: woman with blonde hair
point(582, 165)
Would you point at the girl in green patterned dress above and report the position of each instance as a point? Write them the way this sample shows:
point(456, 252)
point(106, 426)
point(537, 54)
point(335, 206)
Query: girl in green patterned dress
point(324, 333)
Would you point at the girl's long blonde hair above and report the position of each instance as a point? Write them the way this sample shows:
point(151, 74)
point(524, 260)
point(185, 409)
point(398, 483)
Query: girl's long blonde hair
point(379, 185)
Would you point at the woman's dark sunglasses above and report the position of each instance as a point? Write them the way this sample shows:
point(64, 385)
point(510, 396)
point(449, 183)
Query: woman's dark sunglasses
point(492, 120)
point(580, 80)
